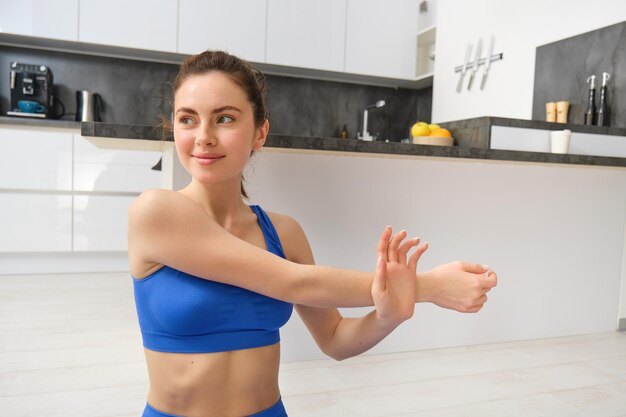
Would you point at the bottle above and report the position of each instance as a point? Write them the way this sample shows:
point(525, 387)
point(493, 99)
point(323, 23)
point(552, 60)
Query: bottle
point(344, 132)
point(590, 114)
point(604, 117)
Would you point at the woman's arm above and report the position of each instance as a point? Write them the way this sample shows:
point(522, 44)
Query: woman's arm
point(451, 286)
point(166, 227)
point(342, 338)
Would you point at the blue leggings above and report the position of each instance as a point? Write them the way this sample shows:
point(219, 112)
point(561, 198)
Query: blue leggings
point(277, 410)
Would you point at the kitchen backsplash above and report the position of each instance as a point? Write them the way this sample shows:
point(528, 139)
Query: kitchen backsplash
point(138, 92)
point(562, 69)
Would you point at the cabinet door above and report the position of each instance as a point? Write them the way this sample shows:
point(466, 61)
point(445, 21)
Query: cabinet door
point(381, 38)
point(35, 222)
point(235, 26)
point(118, 170)
point(35, 160)
point(101, 222)
point(142, 24)
point(42, 18)
point(307, 33)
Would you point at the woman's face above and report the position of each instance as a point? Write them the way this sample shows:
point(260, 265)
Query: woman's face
point(214, 128)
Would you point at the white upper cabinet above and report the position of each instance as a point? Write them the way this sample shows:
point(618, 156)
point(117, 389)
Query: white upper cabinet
point(381, 38)
point(41, 18)
point(307, 33)
point(141, 24)
point(235, 26)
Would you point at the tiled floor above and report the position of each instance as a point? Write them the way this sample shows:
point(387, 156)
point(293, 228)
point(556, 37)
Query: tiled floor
point(70, 347)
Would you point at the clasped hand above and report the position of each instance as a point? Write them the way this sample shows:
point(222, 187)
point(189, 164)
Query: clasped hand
point(459, 286)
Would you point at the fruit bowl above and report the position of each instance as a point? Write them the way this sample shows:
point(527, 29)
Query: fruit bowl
point(433, 140)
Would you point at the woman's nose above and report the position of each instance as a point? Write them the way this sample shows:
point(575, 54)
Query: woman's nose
point(205, 136)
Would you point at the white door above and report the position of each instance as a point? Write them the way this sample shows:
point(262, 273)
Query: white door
point(142, 24)
point(307, 33)
point(235, 26)
point(381, 38)
point(56, 19)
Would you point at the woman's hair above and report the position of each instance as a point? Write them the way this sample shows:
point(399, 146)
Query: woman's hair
point(251, 81)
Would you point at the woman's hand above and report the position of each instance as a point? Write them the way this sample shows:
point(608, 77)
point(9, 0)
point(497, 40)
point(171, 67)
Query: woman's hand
point(394, 285)
point(459, 286)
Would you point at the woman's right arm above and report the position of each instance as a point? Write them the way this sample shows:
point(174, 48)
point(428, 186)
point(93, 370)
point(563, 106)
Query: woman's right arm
point(167, 228)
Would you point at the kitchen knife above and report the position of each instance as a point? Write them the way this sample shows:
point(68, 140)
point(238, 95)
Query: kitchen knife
point(487, 64)
point(468, 53)
point(479, 50)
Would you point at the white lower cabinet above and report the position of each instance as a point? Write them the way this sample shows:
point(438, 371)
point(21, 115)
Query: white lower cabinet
point(35, 222)
point(116, 170)
point(101, 222)
point(35, 160)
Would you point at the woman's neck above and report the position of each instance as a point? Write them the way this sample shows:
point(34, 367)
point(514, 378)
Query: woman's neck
point(223, 202)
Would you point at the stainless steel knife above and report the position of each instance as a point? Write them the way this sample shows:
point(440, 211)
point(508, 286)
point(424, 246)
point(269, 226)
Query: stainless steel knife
point(468, 53)
point(487, 64)
point(479, 50)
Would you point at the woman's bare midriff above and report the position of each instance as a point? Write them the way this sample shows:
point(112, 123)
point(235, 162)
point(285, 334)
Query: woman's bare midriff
point(237, 383)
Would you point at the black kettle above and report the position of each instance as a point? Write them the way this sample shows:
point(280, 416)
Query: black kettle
point(89, 105)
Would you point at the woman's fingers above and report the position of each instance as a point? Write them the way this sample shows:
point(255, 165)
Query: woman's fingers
point(490, 280)
point(383, 243)
point(393, 246)
point(415, 256)
point(405, 247)
point(475, 268)
point(379, 284)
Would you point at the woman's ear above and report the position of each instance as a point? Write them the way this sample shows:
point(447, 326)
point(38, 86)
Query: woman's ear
point(261, 135)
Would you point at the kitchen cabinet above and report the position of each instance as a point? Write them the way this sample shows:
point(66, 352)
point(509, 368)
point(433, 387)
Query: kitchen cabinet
point(35, 222)
point(307, 33)
point(101, 222)
point(426, 52)
point(141, 24)
point(35, 160)
point(41, 18)
point(61, 193)
point(381, 38)
point(236, 26)
point(113, 170)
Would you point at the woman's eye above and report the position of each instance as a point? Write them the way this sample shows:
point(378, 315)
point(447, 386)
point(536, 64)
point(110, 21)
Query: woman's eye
point(224, 119)
point(186, 120)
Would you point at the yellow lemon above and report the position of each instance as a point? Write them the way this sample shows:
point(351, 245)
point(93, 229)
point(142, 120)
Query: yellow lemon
point(433, 127)
point(420, 129)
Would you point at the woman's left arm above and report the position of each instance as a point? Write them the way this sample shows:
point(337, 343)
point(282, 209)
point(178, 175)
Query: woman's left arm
point(340, 337)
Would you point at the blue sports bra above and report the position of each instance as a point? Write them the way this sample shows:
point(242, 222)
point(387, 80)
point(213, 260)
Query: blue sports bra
point(179, 312)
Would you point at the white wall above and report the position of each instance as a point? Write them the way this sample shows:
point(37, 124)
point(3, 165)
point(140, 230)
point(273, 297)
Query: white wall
point(554, 233)
point(518, 27)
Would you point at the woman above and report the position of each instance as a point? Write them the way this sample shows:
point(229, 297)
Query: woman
point(215, 278)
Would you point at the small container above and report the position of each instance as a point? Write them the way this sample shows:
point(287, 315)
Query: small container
point(603, 116)
point(559, 141)
point(562, 108)
point(344, 132)
point(590, 114)
point(551, 111)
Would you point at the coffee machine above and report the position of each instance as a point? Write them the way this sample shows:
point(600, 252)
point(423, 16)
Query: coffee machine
point(31, 91)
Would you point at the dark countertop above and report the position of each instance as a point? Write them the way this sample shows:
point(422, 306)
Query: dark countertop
point(35, 122)
point(470, 145)
point(477, 132)
point(383, 148)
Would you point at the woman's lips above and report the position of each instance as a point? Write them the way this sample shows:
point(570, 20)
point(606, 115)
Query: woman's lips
point(207, 159)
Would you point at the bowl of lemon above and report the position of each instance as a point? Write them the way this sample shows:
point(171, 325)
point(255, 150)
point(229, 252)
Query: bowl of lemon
point(424, 133)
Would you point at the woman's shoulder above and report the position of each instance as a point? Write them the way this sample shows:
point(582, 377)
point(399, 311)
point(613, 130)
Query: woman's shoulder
point(154, 201)
point(292, 237)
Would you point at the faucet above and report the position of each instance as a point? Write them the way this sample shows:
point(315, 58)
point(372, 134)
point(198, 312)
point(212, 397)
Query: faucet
point(366, 135)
